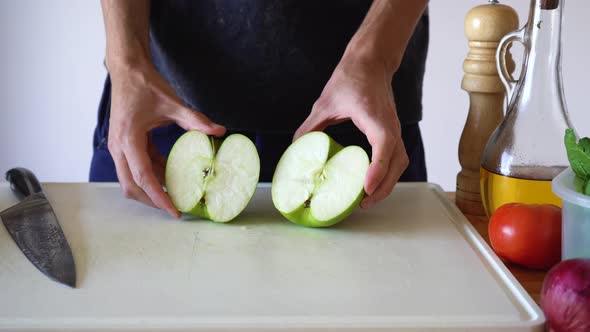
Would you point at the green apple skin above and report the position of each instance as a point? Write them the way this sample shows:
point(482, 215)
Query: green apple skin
point(335, 147)
point(200, 210)
point(303, 216)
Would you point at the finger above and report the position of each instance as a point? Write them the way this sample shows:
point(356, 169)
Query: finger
point(396, 168)
point(314, 122)
point(160, 173)
point(158, 163)
point(142, 172)
point(193, 120)
point(380, 161)
point(382, 147)
point(159, 169)
point(128, 186)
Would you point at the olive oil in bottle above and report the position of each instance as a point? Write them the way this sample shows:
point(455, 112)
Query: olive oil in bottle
point(534, 188)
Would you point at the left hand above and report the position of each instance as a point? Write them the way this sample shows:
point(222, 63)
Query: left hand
point(362, 92)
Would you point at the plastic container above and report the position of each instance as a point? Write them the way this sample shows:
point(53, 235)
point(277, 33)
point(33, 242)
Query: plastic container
point(575, 238)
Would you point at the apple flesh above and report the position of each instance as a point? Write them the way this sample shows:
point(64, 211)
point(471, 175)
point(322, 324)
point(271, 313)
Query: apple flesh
point(210, 178)
point(317, 182)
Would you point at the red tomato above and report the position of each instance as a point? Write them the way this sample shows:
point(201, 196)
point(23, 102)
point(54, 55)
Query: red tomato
point(529, 235)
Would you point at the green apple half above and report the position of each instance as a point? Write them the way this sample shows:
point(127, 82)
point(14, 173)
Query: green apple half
point(210, 178)
point(317, 182)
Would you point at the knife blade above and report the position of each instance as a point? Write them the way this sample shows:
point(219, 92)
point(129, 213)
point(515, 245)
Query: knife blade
point(35, 228)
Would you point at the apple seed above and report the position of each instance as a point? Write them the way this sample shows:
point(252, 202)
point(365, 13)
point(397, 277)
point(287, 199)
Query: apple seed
point(307, 203)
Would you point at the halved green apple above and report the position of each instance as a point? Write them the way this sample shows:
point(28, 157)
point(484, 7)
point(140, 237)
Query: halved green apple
point(317, 182)
point(210, 178)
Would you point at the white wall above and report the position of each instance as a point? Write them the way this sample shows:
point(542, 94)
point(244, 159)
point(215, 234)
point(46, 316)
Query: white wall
point(51, 76)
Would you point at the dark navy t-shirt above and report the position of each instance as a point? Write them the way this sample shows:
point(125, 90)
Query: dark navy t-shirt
point(259, 65)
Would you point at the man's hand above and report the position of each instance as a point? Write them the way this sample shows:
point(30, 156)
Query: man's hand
point(363, 94)
point(360, 90)
point(141, 101)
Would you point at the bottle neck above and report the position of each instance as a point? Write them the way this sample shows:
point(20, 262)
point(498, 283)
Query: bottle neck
point(540, 86)
point(544, 32)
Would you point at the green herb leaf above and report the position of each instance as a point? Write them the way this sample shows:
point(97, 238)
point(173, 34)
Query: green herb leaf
point(584, 143)
point(579, 159)
point(580, 184)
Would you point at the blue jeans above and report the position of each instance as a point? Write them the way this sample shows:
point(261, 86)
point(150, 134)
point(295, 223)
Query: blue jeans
point(270, 146)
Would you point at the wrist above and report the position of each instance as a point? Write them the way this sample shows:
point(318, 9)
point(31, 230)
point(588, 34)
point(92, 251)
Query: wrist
point(385, 32)
point(362, 67)
point(371, 57)
point(122, 61)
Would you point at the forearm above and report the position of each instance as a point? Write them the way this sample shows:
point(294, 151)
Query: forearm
point(127, 33)
point(384, 34)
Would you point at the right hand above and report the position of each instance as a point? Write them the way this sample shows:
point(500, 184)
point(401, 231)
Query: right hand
point(142, 100)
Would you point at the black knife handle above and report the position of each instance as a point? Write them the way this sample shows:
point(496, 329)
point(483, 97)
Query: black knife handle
point(23, 182)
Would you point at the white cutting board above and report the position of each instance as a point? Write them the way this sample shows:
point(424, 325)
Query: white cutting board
point(412, 262)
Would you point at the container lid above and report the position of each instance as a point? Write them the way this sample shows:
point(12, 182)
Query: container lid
point(563, 186)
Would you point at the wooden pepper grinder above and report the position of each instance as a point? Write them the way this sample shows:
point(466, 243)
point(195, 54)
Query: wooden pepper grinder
point(485, 25)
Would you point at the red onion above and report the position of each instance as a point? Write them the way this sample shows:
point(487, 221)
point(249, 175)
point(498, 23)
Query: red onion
point(565, 296)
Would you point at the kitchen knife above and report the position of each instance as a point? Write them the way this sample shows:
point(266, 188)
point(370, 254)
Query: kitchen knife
point(34, 227)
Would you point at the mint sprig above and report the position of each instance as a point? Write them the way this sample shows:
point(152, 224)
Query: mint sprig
point(578, 154)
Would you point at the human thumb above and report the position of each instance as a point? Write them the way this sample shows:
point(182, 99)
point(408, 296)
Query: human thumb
point(314, 122)
point(194, 120)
